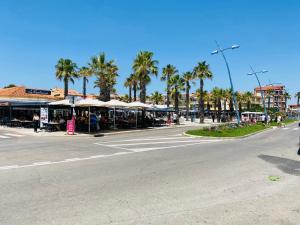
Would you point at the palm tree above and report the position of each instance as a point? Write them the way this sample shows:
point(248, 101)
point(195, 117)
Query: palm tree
point(128, 84)
point(297, 95)
point(143, 66)
point(85, 72)
point(207, 98)
point(202, 72)
point(241, 99)
point(124, 98)
point(66, 71)
point(286, 96)
point(217, 96)
point(248, 96)
point(167, 73)
point(106, 73)
point(269, 94)
point(134, 80)
point(157, 97)
point(226, 96)
point(187, 77)
point(176, 84)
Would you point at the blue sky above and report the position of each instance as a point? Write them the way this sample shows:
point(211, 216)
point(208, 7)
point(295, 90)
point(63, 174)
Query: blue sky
point(35, 34)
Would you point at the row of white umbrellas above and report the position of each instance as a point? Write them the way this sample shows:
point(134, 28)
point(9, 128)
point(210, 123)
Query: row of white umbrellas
point(110, 104)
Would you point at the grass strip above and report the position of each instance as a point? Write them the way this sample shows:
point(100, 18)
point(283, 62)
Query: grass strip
point(228, 132)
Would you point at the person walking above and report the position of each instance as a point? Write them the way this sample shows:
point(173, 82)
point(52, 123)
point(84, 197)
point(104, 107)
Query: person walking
point(35, 120)
point(213, 117)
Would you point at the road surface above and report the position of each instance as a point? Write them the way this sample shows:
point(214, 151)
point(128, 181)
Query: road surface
point(152, 177)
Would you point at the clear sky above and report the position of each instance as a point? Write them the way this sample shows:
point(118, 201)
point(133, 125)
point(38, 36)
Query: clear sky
point(35, 34)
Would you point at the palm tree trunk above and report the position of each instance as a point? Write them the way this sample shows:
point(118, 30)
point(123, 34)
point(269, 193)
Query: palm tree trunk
point(129, 95)
point(219, 110)
point(269, 102)
point(248, 105)
point(176, 101)
point(143, 92)
point(208, 106)
point(134, 92)
point(187, 102)
point(224, 104)
point(66, 88)
point(168, 91)
point(231, 108)
point(201, 102)
point(84, 87)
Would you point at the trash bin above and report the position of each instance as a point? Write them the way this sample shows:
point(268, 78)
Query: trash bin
point(193, 119)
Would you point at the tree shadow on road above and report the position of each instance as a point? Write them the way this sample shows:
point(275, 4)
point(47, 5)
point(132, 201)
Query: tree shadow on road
point(288, 166)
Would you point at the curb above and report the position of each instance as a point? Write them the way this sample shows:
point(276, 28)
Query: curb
point(230, 138)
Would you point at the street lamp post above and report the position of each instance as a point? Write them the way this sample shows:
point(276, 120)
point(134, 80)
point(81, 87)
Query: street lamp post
point(221, 50)
point(261, 91)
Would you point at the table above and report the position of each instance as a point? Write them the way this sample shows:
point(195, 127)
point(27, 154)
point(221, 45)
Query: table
point(52, 126)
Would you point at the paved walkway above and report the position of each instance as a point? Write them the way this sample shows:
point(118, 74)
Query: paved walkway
point(30, 132)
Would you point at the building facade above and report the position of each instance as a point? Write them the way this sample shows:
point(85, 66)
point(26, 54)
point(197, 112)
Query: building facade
point(274, 96)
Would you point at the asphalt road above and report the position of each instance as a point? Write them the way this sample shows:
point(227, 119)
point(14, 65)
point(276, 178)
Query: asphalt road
point(152, 177)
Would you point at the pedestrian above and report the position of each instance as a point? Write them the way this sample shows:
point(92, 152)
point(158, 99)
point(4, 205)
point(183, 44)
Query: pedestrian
point(35, 120)
point(213, 117)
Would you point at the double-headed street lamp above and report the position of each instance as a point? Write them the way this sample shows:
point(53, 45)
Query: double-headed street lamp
point(221, 50)
point(255, 73)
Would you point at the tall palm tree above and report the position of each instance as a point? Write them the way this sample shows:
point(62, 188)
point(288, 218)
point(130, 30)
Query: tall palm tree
point(226, 96)
point(217, 94)
point(66, 71)
point(176, 85)
point(287, 97)
point(248, 96)
point(157, 98)
point(241, 99)
point(167, 73)
point(134, 81)
point(269, 94)
point(85, 72)
point(202, 72)
point(297, 95)
point(187, 77)
point(207, 99)
point(106, 73)
point(143, 66)
point(128, 84)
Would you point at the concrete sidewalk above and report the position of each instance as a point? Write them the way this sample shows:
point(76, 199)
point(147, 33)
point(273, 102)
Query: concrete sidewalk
point(42, 133)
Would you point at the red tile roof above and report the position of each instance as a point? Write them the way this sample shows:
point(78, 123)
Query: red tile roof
point(270, 87)
point(19, 92)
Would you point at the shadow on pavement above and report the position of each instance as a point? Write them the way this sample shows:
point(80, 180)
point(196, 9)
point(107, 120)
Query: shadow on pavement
point(288, 166)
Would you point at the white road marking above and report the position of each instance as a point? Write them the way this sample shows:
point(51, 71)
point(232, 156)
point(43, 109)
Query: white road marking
point(166, 147)
point(14, 135)
point(36, 164)
point(4, 137)
point(41, 163)
point(285, 128)
point(147, 139)
point(72, 160)
point(296, 128)
point(159, 142)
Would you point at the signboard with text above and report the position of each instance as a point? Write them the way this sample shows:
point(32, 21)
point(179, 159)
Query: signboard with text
point(71, 126)
point(43, 116)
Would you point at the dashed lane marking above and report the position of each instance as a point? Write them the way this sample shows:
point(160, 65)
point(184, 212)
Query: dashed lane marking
point(4, 137)
point(14, 135)
point(37, 164)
